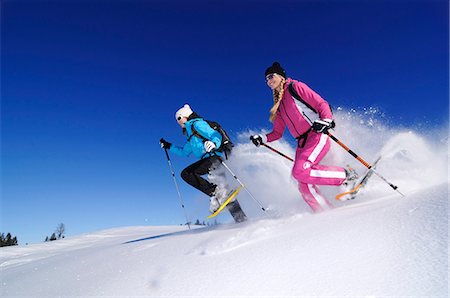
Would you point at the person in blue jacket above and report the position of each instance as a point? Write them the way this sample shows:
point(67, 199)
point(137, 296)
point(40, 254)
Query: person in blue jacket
point(202, 148)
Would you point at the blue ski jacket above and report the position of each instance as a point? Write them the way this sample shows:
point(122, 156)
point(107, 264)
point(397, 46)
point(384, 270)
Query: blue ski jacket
point(194, 144)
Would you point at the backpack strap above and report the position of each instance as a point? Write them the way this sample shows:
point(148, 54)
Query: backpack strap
point(224, 142)
point(196, 133)
point(294, 94)
point(302, 139)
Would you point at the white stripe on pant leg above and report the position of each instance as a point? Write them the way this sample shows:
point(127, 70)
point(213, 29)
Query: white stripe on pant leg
point(323, 140)
point(321, 200)
point(327, 174)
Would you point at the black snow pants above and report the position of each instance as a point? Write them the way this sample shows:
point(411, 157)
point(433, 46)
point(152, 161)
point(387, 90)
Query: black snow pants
point(193, 174)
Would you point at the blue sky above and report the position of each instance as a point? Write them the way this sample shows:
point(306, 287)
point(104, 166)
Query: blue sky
point(89, 88)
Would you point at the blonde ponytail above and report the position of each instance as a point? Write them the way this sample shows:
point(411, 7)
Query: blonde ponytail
point(277, 96)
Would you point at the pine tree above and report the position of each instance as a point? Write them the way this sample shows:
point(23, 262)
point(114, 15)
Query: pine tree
point(8, 240)
point(53, 237)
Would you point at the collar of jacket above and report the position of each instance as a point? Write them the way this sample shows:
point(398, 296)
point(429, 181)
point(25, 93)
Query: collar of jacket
point(193, 116)
point(286, 84)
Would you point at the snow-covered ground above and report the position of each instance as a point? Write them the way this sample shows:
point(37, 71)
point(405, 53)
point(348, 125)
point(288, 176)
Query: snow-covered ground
point(387, 247)
point(379, 245)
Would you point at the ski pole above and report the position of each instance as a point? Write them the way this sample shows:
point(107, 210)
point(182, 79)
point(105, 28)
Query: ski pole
point(243, 186)
point(369, 166)
point(348, 149)
point(276, 151)
point(178, 190)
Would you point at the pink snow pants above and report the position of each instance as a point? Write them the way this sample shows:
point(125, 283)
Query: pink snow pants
point(309, 173)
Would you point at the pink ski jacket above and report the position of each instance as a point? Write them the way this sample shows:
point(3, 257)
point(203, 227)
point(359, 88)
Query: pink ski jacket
point(296, 115)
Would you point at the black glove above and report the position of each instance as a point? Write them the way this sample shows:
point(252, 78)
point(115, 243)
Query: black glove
point(321, 125)
point(257, 140)
point(165, 144)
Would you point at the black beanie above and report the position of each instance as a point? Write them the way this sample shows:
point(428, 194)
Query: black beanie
point(276, 68)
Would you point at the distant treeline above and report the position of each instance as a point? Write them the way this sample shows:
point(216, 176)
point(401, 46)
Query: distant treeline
point(58, 234)
point(8, 240)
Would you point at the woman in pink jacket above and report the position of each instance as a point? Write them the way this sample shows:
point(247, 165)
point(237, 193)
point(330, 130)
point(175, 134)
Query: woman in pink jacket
point(306, 116)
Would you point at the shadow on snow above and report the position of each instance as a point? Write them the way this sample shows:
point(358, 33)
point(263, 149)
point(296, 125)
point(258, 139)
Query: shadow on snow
point(194, 231)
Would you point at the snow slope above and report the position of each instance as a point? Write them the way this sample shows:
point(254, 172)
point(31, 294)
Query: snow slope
point(379, 245)
point(385, 247)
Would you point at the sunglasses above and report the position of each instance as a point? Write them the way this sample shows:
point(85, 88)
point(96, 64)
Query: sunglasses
point(270, 76)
